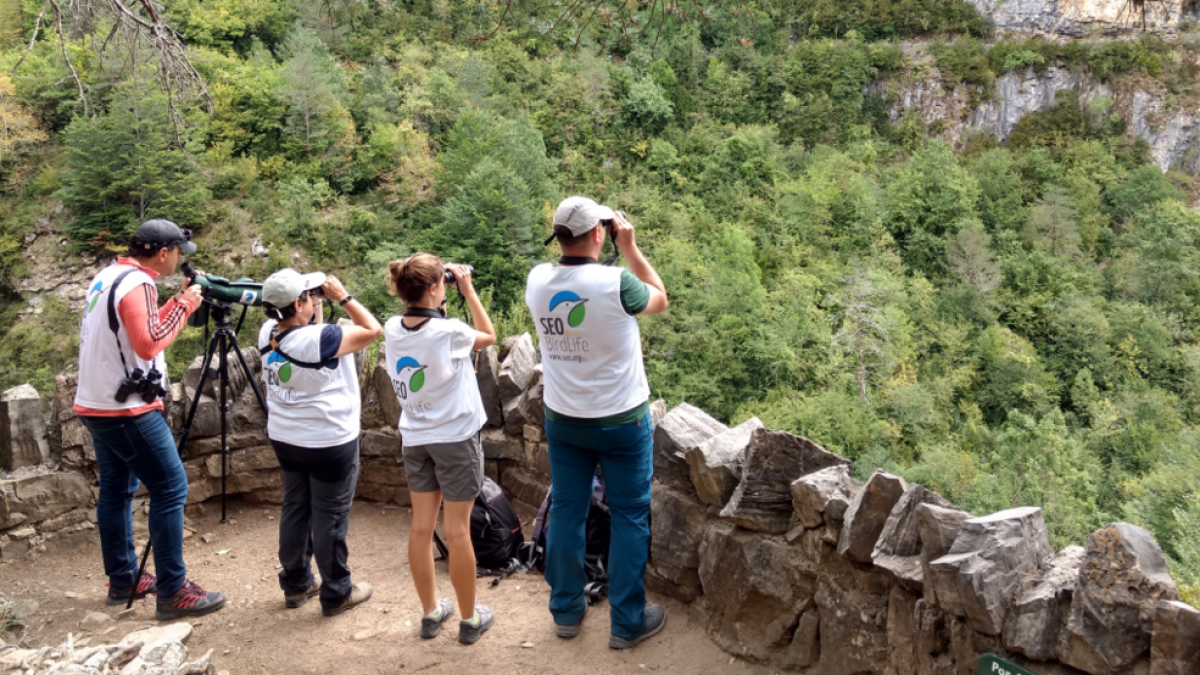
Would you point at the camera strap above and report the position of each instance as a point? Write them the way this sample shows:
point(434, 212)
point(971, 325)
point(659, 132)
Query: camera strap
point(113, 322)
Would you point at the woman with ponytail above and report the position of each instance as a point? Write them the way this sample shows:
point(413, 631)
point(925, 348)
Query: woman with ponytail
point(313, 420)
point(429, 361)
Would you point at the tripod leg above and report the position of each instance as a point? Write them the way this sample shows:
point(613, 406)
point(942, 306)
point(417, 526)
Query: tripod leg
point(223, 385)
point(191, 417)
point(141, 571)
point(262, 402)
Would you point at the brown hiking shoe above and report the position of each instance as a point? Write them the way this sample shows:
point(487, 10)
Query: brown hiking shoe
point(359, 593)
point(296, 599)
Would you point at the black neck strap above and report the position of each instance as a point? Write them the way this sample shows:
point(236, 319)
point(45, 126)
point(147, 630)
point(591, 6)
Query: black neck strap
point(577, 260)
point(429, 315)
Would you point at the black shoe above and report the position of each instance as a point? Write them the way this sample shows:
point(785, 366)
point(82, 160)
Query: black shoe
point(571, 630)
point(656, 618)
point(296, 599)
point(147, 585)
point(189, 600)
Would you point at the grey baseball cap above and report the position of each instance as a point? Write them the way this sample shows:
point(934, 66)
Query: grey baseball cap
point(161, 233)
point(580, 214)
point(282, 288)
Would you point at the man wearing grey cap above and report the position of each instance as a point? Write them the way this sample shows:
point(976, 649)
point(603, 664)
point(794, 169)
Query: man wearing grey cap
point(122, 374)
point(597, 412)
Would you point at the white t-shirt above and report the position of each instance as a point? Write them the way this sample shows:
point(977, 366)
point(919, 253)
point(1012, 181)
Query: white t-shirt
point(310, 407)
point(591, 347)
point(434, 381)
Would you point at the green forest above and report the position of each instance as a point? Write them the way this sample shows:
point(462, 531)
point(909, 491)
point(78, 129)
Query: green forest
point(1011, 323)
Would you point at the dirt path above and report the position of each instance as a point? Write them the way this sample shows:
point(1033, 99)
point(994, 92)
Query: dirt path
point(256, 634)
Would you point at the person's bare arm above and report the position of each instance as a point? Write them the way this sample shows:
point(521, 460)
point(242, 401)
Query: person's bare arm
point(485, 334)
point(366, 328)
point(640, 267)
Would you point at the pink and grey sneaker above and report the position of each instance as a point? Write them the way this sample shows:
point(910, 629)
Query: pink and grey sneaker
point(146, 585)
point(189, 600)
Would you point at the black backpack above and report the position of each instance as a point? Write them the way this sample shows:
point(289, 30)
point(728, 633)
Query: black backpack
point(496, 533)
point(598, 536)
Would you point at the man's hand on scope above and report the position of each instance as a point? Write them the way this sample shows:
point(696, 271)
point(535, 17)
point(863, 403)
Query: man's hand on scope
point(191, 295)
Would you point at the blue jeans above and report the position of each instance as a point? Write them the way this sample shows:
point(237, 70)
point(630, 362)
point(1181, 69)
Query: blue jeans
point(625, 455)
point(129, 449)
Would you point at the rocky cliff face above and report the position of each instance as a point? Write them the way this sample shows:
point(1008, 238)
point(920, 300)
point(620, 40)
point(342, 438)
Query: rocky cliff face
point(1079, 18)
point(1150, 112)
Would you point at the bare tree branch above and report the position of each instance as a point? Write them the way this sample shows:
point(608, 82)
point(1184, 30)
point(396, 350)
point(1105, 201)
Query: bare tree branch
point(37, 25)
point(62, 45)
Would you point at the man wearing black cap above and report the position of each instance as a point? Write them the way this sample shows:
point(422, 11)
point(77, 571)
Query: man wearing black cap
point(122, 374)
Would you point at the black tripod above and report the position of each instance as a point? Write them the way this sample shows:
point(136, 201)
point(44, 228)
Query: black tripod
point(219, 344)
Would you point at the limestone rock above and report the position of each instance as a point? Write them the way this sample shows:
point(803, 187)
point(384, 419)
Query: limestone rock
point(683, 428)
point(207, 421)
point(250, 459)
point(762, 500)
point(487, 375)
point(22, 429)
point(389, 405)
point(527, 407)
point(1124, 575)
point(516, 369)
point(811, 494)
point(868, 514)
point(979, 578)
point(1033, 624)
point(898, 549)
point(754, 592)
point(805, 649)
point(64, 396)
point(716, 464)
point(1175, 644)
point(498, 445)
point(658, 410)
point(677, 529)
point(381, 444)
point(39, 497)
point(525, 486)
point(853, 631)
point(938, 527)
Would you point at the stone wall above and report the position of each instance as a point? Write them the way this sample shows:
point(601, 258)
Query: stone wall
point(768, 538)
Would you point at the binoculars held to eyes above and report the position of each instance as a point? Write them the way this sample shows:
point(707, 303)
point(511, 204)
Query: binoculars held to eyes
point(450, 275)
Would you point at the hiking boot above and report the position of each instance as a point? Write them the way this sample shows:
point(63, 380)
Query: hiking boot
point(468, 632)
point(430, 627)
point(569, 631)
point(359, 593)
point(296, 599)
point(189, 600)
point(146, 585)
point(656, 618)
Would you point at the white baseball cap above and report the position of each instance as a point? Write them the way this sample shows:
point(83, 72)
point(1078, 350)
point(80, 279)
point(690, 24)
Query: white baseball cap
point(282, 288)
point(580, 215)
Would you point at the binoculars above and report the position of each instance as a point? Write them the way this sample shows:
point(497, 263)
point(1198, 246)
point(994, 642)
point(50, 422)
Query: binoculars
point(450, 275)
point(145, 385)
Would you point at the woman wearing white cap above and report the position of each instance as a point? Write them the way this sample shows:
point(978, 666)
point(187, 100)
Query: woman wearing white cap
point(313, 422)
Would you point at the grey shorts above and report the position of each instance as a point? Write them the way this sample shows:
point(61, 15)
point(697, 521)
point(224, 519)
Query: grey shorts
point(454, 468)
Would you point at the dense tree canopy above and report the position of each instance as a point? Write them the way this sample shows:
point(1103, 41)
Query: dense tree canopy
point(1013, 323)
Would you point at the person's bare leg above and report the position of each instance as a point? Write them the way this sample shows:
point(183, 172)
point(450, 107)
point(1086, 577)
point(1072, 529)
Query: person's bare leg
point(420, 547)
point(457, 525)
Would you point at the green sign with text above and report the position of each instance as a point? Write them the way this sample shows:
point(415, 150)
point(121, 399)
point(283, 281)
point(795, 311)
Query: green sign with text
point(990, 664)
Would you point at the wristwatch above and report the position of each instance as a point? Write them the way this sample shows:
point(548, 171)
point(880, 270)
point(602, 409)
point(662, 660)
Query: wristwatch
point(343, 301)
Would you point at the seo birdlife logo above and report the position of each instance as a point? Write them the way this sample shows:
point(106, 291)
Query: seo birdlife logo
point(410, 376)
point(575, 308)
point(285, 371)
point(94, 295)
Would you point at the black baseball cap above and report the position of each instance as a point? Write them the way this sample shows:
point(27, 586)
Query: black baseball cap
point(159, 233)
